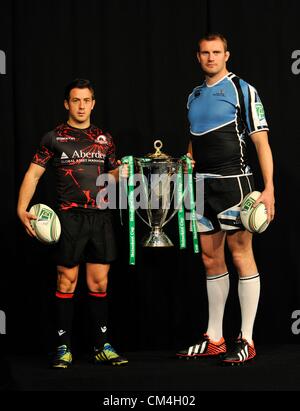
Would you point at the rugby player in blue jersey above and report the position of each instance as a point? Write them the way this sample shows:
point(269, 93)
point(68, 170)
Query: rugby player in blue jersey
point(225, 113)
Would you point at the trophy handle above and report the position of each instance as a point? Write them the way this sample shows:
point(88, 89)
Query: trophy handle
point(142, 218)
point(146, 192)
point(170, 218)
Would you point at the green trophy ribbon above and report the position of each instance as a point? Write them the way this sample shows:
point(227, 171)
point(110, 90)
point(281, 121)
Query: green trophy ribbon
point(132, 244)
point(192, 202)
point(181, 218)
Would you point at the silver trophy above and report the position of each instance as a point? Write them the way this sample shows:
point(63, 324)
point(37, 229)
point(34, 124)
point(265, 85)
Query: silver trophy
point(159, 172)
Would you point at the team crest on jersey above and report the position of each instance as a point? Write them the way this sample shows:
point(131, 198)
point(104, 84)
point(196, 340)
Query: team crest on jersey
point(101, 139)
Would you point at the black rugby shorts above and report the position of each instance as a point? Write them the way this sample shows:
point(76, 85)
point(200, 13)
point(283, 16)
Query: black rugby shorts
point(222, 198)
point(86, 236)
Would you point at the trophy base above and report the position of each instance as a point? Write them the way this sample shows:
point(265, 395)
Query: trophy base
point(157, 238)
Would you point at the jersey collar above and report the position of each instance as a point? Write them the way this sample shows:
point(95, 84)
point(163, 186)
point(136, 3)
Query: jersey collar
point(219, 81)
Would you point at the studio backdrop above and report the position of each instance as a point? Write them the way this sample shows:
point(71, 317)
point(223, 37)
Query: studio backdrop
point(141, 57)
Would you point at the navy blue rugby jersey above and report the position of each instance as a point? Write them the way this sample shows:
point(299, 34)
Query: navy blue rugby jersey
point(79, 156)
point(221, 118)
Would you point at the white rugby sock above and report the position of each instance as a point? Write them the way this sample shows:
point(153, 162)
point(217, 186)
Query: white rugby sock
point(217, 292)
point(248, 290)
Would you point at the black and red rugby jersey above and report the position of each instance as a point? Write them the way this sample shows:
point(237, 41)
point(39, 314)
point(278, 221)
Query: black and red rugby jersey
point(78, 157)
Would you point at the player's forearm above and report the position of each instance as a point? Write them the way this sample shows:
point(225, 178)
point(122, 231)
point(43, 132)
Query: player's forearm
point(265, 159)
point(190, 148)
point(26, 192)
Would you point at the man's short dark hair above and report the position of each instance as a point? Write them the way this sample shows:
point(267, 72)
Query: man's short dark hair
point(214, 36)
point(79, 83)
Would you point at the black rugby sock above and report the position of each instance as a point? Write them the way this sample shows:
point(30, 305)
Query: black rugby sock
point(64, 317)
point(97, 302)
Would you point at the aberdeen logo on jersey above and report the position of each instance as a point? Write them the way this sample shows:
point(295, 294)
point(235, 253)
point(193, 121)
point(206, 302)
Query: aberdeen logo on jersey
point(63, 156)
point(87, 154)
point(82, 156)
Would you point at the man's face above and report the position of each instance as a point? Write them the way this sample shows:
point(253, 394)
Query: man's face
point(212, 57)
point(80, 104)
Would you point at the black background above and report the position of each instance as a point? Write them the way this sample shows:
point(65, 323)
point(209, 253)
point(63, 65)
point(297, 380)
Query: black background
point(141, 57)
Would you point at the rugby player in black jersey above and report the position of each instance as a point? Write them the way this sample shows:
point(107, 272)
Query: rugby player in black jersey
point(224, 113)
point(79, 153)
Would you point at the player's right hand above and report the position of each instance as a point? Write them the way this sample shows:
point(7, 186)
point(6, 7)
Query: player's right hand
point(25, 218)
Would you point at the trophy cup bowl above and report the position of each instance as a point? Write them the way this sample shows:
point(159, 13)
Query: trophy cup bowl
point(158, 172)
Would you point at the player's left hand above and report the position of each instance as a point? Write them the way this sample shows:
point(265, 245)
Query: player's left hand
point(189, 155)
point(268, 199)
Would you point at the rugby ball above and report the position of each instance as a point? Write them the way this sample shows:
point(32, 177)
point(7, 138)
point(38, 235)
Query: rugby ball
point(47, 225)
point(253, 219)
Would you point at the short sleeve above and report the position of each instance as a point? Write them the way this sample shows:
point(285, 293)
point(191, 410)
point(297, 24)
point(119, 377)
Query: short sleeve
point(254, 110)
point(44, 153)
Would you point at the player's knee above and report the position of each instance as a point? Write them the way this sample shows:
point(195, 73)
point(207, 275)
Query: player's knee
point(66, 286)
point(240, 256)
point(212, 263)
point(98, 285)
point(66, 280)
